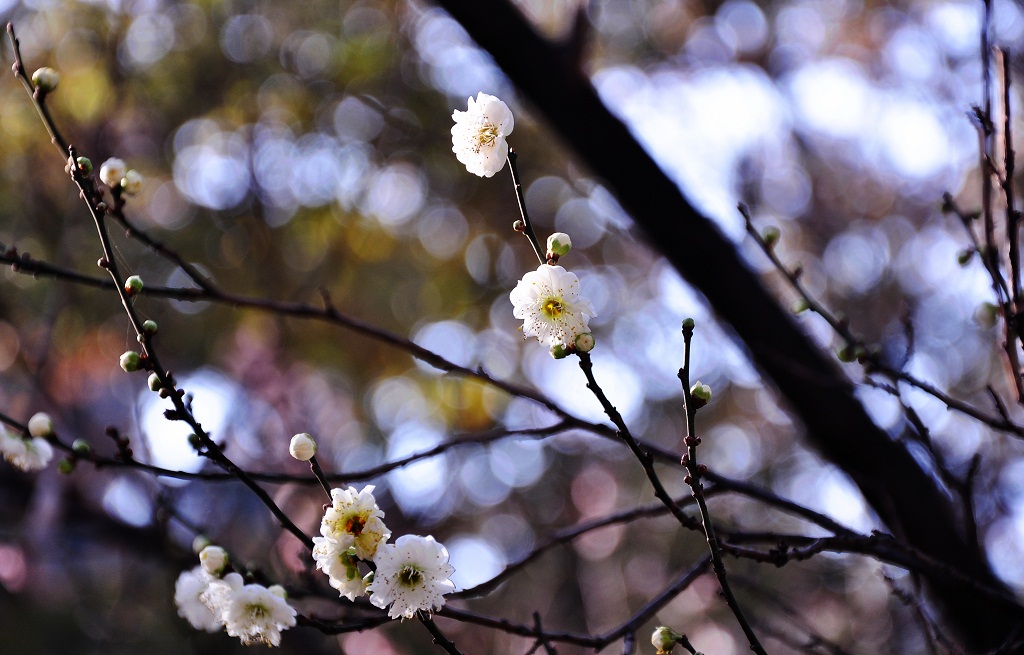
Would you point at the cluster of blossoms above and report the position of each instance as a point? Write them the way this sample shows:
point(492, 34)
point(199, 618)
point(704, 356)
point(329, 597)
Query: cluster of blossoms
point(116, 175)
point(32, 453)
point(409, 575)
point(547, 299)
point(211, 599)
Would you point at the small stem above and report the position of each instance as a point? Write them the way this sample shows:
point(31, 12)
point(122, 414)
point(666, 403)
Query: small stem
point(439, 637)
point(527, 225)
point(319, 473)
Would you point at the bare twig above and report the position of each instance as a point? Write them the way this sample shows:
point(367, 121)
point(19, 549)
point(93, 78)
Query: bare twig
point(695, 471)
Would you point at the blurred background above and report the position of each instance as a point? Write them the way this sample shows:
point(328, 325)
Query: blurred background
point(293, 147)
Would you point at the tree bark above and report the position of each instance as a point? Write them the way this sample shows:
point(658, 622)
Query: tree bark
point(904, 496)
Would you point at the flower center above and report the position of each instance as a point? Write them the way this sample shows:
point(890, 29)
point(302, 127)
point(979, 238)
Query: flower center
point(485, 136)
point(257, 611)
point(354, 525)
point(553, 307)
point(410, 576)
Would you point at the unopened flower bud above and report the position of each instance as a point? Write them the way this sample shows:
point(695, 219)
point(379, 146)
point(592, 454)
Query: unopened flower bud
point(584, 342)
point(559, 244)
point(799, 306)
point(154, 382)
point(133, 285)
point(84, 164)
point(66, 466)
point(302, 447)
point(845, 354)
point(40, 425)
point(132, 182)
point(964, 257)
point(130, 361)
point(200, 542)
point(81, 447)
point(149, 327)
point(664, 639)
point(519, 226)
point(688, 324)
point(278, 591)
point(771, 235)
point(213, 559)
point(112, 172)
point(986, 315)
point(701, 393)
point(558, 351)
point(45, 79)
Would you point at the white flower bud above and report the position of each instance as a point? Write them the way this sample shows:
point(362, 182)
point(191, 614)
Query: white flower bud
point(302, 447)
point(559, 244)
point(278, 591)
point(213, 559)
point(664, 639)
point(112, 172)
point(584, 342)
point(132, 182)
point(46, 79)
point(40, 425)
point(701, 392)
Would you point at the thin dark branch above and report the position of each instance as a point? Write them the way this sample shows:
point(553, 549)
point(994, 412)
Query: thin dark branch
point(528, 230)
point(695, 471)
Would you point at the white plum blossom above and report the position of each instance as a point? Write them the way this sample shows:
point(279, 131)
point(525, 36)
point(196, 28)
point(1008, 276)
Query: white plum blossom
point(32, 454)
point(478, 136)
point(548, 300)
point(188, 592)
point(250, 612)
point(412, 574)
point(132, 182)
point(341, 566)
point(112, 172)
point(353, 519)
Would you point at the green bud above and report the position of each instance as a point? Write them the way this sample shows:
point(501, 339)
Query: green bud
point(131, 361)
point(799, 306)
point(81, 447)
point(66, 466)
point(584, 342)
point(84, 164)
point(195, 441)
point(558, 351)
point(688, 324)
point(664, 639)
point(771, 235)
point(846, 354)
point(45, 79)
point(133, 285)
point(965, 256)
point(149, 327)
point(559, 244)
point(700, 392)
point(154, 382)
